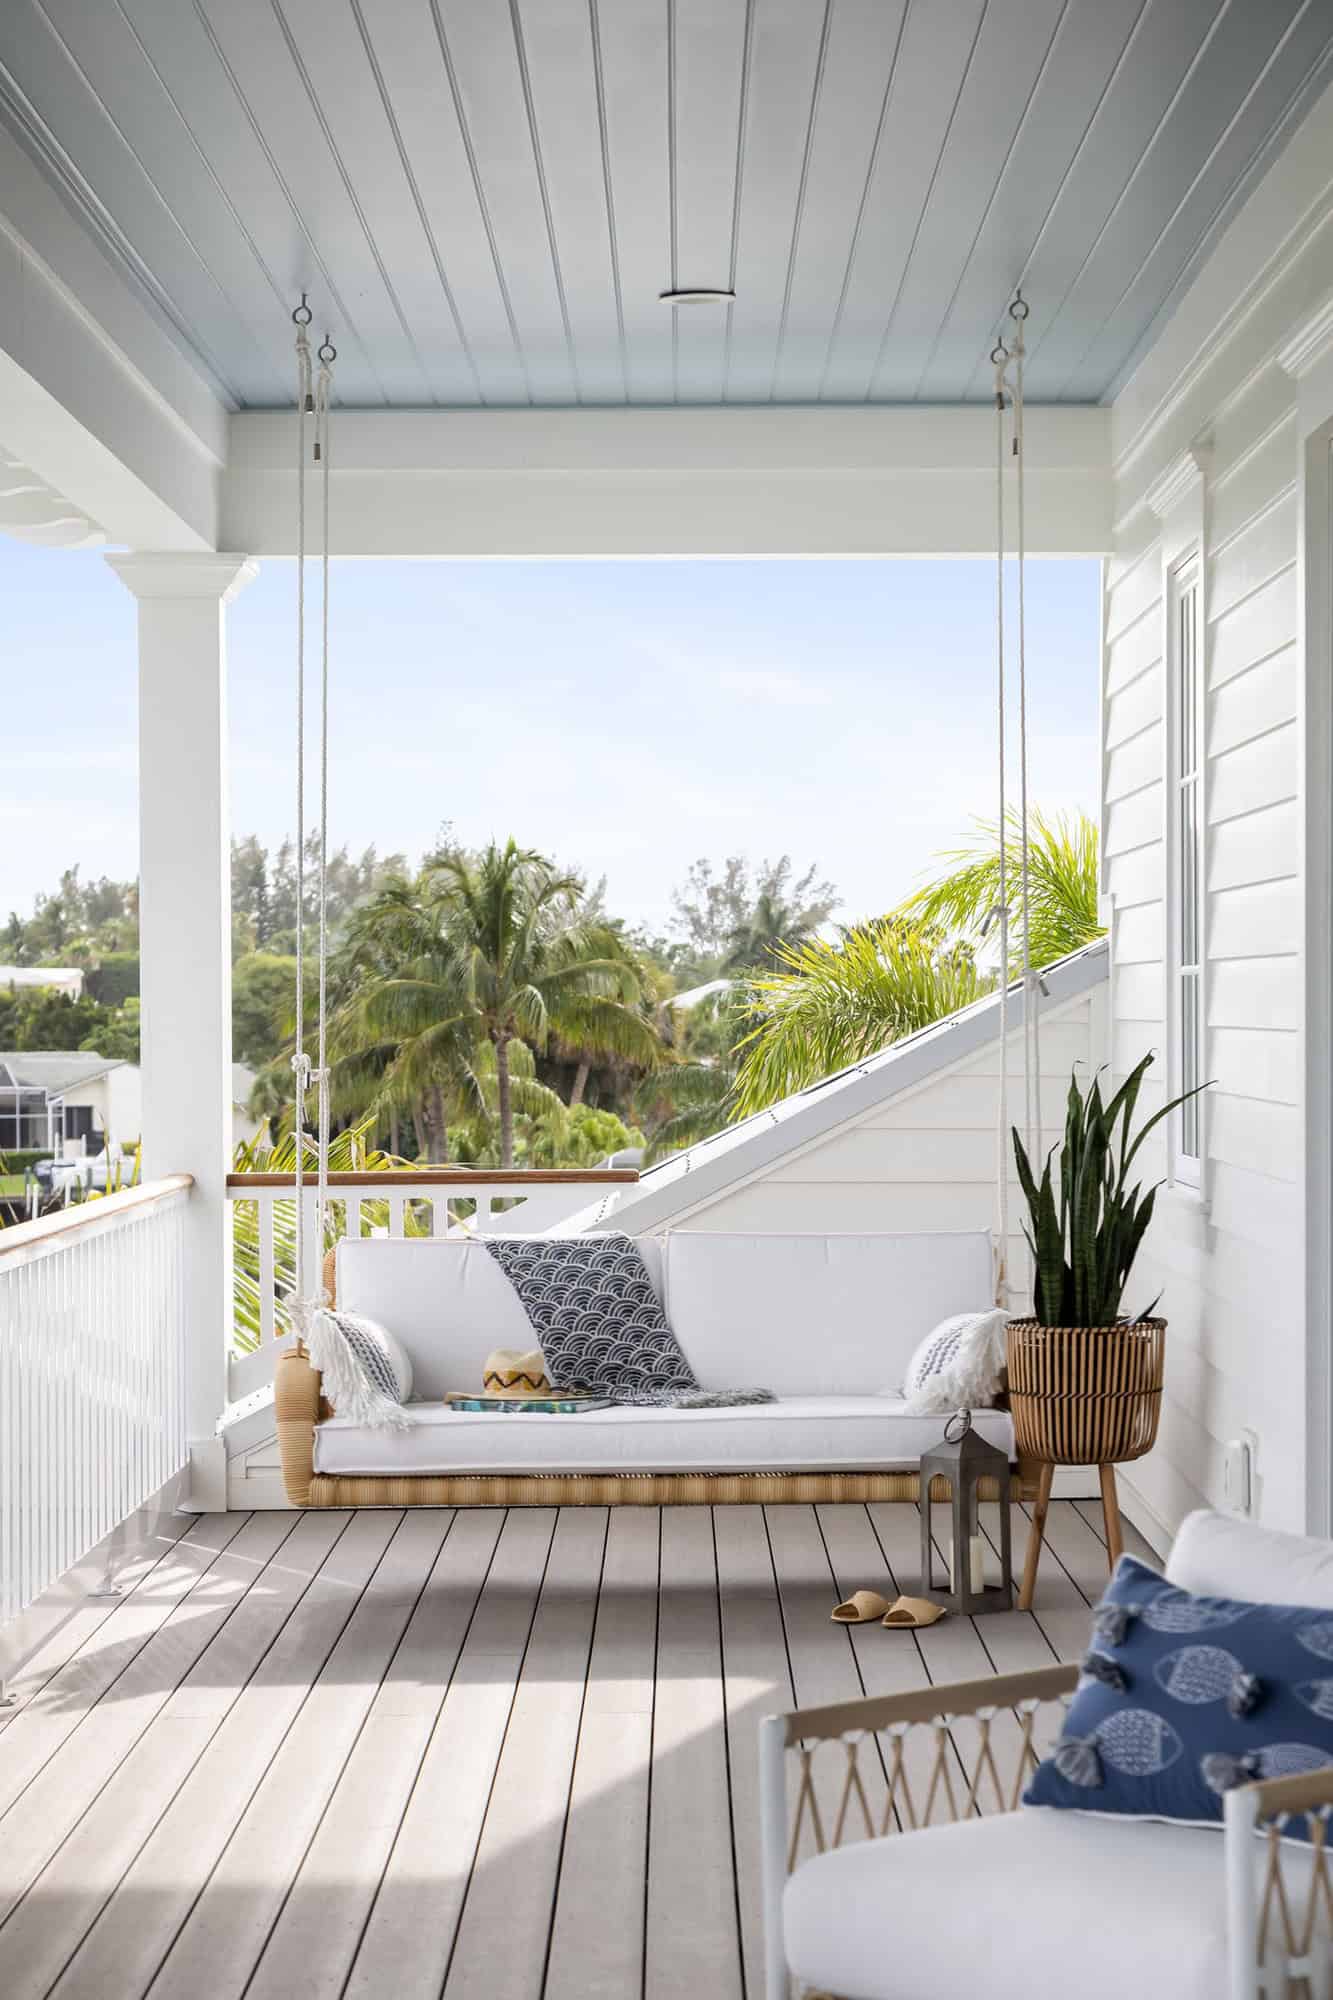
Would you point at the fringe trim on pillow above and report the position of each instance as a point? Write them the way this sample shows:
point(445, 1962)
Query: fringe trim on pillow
point(346, 1384)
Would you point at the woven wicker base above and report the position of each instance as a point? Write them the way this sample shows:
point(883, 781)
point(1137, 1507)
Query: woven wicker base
point(610, 1489)
point(298, 1407)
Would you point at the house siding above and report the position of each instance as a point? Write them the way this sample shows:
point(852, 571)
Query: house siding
point(1230, 1261)
point(924, 1159)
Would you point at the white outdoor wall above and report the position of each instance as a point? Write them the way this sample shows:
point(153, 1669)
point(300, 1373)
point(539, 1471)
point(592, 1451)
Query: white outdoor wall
point(1214, 393)
point(924, 1160)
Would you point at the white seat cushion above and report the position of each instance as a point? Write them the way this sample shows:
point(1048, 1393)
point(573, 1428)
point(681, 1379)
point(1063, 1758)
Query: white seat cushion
point(1217, 1555)
point(1019, 1907)
point(817, 1315)
point(801, 1433)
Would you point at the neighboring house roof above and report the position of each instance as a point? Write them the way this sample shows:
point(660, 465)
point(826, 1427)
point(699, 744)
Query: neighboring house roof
point(695, 994)
point(712, 1167)
point(65, 978)
point(56, 1070)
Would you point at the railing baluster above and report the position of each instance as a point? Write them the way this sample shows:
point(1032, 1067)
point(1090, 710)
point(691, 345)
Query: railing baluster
point(92, 1418)
point(265, 1208)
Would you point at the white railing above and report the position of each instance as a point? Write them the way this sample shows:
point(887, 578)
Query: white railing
point(443, 1201)
point(92, 1410)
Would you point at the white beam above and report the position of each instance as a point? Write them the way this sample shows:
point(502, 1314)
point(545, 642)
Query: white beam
point(95, 396)
point(185, 940)
point(680, 482)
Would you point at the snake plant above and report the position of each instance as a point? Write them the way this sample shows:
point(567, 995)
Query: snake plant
point(1085, 1234)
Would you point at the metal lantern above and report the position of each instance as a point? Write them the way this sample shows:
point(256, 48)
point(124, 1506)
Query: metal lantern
point(964, 1458)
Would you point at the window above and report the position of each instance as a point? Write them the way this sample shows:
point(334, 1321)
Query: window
point(1185, 847)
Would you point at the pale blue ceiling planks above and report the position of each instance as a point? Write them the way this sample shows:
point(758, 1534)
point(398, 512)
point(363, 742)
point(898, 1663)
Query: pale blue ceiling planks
point(485, 198)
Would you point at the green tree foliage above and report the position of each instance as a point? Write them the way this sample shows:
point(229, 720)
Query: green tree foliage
point(1062, 876)
point(263, 1006)
point(480, 955)
point(40, 1018)
point(731, 919)
point(835, 1001)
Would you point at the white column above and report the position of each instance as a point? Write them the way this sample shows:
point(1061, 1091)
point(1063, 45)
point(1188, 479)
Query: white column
point(185, 947)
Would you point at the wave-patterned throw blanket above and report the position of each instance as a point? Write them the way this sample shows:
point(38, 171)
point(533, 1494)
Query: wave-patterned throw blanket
point(600, 1324)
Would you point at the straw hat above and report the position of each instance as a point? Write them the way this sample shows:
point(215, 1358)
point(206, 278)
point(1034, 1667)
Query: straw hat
point(509, 1373)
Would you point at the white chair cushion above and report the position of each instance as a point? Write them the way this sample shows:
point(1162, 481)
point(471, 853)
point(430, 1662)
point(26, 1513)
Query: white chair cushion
point(1217, 1555)
point(803, 1433)
point(1021, 1906)
point(817, 1315)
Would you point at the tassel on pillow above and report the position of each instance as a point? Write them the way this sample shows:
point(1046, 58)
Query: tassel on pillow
point(363, 1368)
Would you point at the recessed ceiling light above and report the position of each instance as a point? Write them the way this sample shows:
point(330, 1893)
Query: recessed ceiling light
point(697, 296)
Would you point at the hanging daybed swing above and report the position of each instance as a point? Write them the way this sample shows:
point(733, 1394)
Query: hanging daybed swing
point(300, 1404)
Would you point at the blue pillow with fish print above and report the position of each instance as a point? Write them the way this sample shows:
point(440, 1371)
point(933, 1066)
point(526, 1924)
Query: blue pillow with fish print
point(1182, 1697)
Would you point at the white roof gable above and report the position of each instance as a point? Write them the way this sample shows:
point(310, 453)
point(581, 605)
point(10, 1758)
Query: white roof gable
point(703, 1172)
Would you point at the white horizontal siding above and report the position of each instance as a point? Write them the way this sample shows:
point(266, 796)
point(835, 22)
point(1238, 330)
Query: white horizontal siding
point(1261, 846)
point(1261, 698)
point(1255, 773)
point(1230, 1267)
point(922, 1160)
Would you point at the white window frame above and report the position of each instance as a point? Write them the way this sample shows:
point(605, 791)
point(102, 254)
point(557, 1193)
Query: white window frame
point(1186, 863)
point(1179, 500)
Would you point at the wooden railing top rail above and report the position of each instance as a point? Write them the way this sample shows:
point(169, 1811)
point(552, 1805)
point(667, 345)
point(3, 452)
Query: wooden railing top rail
point(424, 1179)
point(25, 1240)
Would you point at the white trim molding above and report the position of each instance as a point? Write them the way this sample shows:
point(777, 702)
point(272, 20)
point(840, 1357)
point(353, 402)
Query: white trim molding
point(1182, 481)
point(738, 481)
point(1309, 342)
point(164, 574)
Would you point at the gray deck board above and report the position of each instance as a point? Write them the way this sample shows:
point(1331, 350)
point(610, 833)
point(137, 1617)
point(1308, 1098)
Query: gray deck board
point(456, 1756)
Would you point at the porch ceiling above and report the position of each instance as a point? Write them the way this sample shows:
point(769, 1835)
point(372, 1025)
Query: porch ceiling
point(486, 200)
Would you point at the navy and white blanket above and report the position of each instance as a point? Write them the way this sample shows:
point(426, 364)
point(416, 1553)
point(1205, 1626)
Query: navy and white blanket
point(599, 1323)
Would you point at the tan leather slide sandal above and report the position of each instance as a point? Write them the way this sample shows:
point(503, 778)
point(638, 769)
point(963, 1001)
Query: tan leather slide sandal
point(863, 1607)
point(912, 1612)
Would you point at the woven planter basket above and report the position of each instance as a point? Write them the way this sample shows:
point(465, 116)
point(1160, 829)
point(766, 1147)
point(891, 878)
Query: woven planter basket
point(1085, 1395)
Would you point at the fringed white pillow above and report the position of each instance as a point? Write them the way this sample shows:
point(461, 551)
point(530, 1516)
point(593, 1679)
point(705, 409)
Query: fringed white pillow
point(959, 1365)
point(367, 1371)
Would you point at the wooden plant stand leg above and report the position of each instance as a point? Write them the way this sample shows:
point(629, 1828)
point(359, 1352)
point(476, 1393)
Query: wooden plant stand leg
point(1036, 1535)
point(1111, 1509)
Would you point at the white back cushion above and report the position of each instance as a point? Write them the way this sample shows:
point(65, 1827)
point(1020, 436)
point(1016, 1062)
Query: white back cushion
point(817, 1315)
point(1217, 1555)
point(448, 1302)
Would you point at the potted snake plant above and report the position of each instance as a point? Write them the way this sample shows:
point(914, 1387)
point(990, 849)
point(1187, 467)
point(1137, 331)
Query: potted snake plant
point(1085, 1379)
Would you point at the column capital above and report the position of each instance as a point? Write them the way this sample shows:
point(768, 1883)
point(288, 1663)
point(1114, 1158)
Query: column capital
point(220, 577)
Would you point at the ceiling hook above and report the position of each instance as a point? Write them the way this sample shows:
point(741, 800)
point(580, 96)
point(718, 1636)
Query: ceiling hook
point(302, 315)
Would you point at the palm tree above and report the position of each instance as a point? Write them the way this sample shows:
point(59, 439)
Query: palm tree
point(1062, 878)
point(837, 1000)
point(527, 963)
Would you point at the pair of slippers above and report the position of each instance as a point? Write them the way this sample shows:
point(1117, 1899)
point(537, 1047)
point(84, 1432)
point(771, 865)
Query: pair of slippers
point(867, 1607)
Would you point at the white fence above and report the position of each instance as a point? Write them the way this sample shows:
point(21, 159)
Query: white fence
point(443, 1202)
point(92, 1410)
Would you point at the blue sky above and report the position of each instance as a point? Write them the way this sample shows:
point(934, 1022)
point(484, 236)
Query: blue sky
point(624, 717)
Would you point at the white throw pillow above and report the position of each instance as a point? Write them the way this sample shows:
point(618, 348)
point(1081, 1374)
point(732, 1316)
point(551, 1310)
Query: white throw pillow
point(959, 1365)
point(366, 1369)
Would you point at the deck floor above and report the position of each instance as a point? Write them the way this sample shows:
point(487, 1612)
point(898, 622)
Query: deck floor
point(484, 1755)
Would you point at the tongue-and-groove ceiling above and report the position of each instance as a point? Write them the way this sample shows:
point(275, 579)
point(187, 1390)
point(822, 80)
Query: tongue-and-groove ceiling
point(484, 200)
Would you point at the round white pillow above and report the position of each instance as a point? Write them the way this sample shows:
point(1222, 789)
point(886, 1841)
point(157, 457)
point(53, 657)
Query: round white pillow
point(959, 1365)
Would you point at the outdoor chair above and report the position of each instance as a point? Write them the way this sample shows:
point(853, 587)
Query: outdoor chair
point(900, 1864)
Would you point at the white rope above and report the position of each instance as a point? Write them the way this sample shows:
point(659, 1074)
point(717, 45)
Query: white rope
point(327, 356)
point(1003, 359)
point(300, 1059)
point(312, 398)
point(1018, 313)
point(1000, 357)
